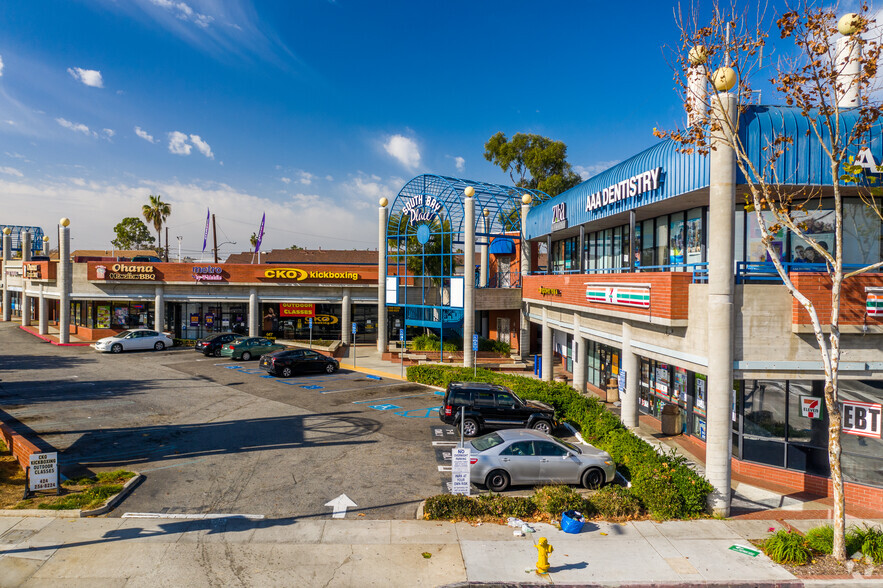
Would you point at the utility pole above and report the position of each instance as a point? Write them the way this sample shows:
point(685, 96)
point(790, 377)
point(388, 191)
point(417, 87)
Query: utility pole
point(167, 243)
point(215, 237)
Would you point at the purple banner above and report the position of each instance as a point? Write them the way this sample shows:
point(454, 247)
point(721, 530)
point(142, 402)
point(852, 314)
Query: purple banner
point(257, 246)
point(205, 236)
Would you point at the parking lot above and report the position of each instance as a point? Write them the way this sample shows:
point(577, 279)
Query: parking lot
point(220, 436)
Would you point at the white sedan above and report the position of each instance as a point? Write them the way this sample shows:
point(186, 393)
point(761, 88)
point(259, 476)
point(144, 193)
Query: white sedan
point(134, 339)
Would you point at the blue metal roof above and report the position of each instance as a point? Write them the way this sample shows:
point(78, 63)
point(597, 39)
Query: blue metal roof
point(803, 164)
point(502, 246)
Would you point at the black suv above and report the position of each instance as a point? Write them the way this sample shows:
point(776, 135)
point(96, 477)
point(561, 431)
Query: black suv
point(492, 406)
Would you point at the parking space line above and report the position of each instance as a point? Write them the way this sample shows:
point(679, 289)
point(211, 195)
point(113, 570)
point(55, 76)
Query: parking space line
point(363, 388)
point(393, 398)
point(418, 413)
point(445, 443)
point(444, 468)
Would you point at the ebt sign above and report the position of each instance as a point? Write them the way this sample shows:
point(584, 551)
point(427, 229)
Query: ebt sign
point(421, 208)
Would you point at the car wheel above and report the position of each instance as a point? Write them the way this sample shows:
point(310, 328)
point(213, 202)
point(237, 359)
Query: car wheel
point(218, 352)
point(497, 481)
point(159, 346)
point(245, 356)
point(470, 428)
point(286, 372)
point(116, 348)
point(329, 368)
point(593, 478)
point(543, 427)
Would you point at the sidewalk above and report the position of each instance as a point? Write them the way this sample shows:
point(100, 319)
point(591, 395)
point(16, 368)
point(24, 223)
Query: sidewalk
point(314, 552)
point(52, 336)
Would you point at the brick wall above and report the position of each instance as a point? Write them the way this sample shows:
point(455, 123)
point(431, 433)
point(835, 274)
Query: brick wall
point(21, 448)
point(514, 317)
point(817, 287)
point(232, 273)
point(669, 291)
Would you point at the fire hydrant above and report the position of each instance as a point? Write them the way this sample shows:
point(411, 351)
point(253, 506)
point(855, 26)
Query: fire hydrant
point(543, 551)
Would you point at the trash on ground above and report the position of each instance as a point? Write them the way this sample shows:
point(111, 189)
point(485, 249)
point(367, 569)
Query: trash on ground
point(518, 533)
point(525, 528)
point(513, 522)
point(427, 555)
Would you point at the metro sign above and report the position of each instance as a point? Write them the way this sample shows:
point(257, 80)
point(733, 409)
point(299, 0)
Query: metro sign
point(633, 297)
point(811, 407)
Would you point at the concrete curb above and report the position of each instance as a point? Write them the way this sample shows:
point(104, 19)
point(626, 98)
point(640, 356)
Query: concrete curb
point(35, 512)
point(420, 508)
point(727, 584)
point(115, 499)
point(49, 339)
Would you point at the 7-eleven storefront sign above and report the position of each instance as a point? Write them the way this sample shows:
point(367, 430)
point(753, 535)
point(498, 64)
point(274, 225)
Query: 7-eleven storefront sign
point(635, 297)
point(874, 304)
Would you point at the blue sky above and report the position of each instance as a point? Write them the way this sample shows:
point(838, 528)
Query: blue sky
point(307, 110)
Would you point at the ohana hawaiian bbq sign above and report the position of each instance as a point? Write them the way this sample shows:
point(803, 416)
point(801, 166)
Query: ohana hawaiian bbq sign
point(628, 188)
point(422, 207)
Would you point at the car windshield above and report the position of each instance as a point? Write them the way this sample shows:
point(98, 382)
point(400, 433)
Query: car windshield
point(568, 445)
point(486, 442)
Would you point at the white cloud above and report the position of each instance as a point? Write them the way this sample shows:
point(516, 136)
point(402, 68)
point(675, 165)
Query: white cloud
point(144, 135)
point(329, 178)
point(589, 171)
point(90, 77)
point(202, 146)
point(306, 178)
point(1, 66)
point(285, 180)
point(460, 163)
point(183, 11)
point(11, 171)
point(404, 149)
point(178, 143)
point(108, 132)
point(77, 127)
point(366, 189)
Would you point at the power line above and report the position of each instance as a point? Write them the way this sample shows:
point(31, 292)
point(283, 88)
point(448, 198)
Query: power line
point(295, 232)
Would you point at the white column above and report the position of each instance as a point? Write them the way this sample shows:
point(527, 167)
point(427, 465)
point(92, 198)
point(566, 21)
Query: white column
point(346, 317)
point(254, 313)
point(629, 400)
point(484, 253)
point(25, 299)
point(526, 245)
point(159, 309)
point(64, 281)
point(43, 316)
point(468, 276)
point(547, 350)
point(46, 245)
point(7, 255)
point(849, 68)
point(579, 357)
point(382, 317)
point(722, 196)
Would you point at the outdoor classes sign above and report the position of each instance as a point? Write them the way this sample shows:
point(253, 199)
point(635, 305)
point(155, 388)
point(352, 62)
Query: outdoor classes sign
point(628, 188)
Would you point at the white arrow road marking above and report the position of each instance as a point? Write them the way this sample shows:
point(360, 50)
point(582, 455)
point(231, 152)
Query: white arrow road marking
point(339, 506)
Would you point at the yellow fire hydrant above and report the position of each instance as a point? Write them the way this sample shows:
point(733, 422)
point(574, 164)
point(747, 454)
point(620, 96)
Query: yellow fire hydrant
point(543, 551)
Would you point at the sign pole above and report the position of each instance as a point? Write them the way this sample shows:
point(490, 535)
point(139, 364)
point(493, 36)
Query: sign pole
point(311, 332)
point(355, 325)
point(402, 352)
point(474, 355)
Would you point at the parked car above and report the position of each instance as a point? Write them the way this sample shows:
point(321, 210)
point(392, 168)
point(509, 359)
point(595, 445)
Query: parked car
point(134, 339)
point(493, 406)
point(527, 457)
point(246, 348)
point(212, 344)
point(291, 361)
point(147, 259)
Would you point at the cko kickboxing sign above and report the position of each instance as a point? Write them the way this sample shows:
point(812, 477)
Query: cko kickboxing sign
point(629, 188)
point(43, 473)
point(634, 297)
point(811, 407)
point(861, 418)
point(421, 207)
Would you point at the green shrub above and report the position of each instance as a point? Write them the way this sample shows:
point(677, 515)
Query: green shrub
point(821, 539)
point(683, 493)
point(494, 346)
point(785, 547)
point(457, 506)
point(88, 499)
point(556, 499)
point(616, 502)
point(870, 540)
point(431, 342)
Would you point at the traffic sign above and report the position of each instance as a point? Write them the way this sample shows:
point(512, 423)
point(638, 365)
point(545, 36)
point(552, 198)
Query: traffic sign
point(401, 334)
point(474, 342)
point(311, 322)
point(354, 328)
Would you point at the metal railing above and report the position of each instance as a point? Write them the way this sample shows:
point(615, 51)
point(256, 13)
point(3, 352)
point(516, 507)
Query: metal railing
point(765, 271)
point(699, 270)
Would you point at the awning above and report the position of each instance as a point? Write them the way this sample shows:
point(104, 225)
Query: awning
point(501, 246)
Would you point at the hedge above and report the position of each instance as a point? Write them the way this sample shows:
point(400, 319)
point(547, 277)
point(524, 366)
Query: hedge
point(667, 486)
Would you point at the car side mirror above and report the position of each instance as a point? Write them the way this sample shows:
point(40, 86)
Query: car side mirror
point(569, 455)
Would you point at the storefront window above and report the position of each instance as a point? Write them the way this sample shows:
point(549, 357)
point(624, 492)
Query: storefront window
point(862, 242)
point(694, 237)
point(819, 226)
point(648, 251)
point(676, 240)
point(680, 391)
point(662, 240)
point(764, 424)
point(617, 248)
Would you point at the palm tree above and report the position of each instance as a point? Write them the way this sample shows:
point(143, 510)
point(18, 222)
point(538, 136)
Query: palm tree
point(156, 213)
point(253, 240)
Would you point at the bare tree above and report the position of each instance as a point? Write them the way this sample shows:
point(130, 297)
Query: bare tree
point(827, 77)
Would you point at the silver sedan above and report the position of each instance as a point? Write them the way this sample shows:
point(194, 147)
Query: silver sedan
point(526, 457)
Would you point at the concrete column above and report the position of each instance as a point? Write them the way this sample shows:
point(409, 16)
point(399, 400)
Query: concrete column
point(485, 325)
point(346, 317)
point(42, 315)
point(254, 313)
point(468, 276)
point(7, 254)
point(582, 249)
point(46, 245)
point(722, 175)
point(25, 299)
point(548, 254)
point(484, 253)
point(629, 408)
point(159, 309)
point(547, 350)
point(64, 281)
point(524, 322)
point(579, 356)
point(382, 317)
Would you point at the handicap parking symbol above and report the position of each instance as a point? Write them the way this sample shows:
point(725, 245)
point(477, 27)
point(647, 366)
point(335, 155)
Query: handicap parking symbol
point(384, 406)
